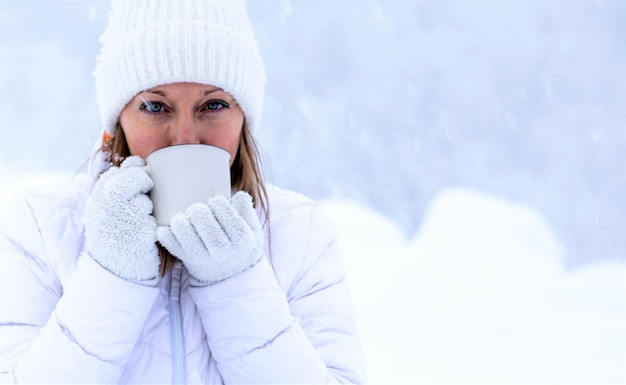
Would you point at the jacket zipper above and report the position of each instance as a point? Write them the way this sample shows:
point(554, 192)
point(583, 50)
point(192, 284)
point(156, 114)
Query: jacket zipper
point(179, 371)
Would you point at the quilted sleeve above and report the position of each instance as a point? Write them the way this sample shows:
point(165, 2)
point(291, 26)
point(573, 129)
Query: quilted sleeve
point(81, 331)
point(290, 321)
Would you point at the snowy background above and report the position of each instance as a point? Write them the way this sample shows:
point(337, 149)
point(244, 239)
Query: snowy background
point(470, 152)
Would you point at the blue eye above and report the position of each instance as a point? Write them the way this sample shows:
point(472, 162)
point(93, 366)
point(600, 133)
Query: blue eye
point(216, 105)
point(153, 107)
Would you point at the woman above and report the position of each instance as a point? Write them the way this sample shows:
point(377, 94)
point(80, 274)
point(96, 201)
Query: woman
point(242, 290)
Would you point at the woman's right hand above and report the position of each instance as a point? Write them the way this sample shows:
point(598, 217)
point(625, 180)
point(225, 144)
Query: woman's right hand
point(120, 231)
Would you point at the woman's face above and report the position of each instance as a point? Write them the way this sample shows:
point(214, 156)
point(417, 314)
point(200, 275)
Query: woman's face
point(182, 113)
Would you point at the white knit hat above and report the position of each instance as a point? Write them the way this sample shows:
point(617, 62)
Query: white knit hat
point(154, 42)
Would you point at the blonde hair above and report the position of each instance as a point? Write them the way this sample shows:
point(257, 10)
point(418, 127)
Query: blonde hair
point(245, 173)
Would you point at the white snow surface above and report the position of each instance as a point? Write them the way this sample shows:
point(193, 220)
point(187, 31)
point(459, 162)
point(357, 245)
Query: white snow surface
point(478, 295)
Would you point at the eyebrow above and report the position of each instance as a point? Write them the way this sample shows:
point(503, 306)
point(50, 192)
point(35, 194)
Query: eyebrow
point(161, 93)
point(211, 91)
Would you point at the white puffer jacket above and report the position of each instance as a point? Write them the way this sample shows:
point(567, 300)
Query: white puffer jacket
point(65, 319)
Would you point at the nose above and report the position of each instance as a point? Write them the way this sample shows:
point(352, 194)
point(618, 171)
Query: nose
point(185, 130)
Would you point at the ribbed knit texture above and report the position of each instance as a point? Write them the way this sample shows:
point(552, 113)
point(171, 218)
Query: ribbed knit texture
point(154, 42)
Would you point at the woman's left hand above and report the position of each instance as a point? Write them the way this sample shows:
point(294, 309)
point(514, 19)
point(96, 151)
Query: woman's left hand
point(216, 240)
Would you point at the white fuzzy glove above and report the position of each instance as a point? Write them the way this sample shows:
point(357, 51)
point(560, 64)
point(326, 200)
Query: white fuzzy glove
point(120, 231)
point(217, 240)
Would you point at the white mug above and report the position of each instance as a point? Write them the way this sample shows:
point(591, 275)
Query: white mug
point(184, 175)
